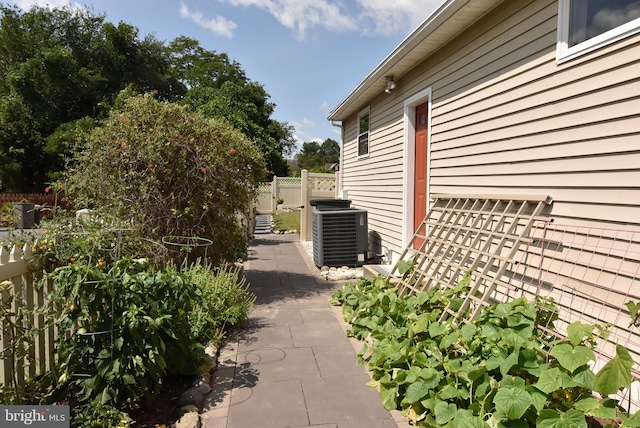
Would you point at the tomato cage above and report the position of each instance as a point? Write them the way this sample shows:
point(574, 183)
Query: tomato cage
point(187, 249)
point(101, 335)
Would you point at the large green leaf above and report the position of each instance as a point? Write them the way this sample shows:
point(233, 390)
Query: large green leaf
point(470, 422)
point(587, 405)
point(584, 378)
point(549, 380)
point(605, 409)
point(449, 339)
point(468, 331)
point(496, 360)
point(539, 398)
point(430, 376)
point(512, 382)
point(389, 395)
point(577, 331)
point(449, 391)
point(616, 374)
point(513, 402)
point(491, 331)
point(509, 362)
point(436, 329)
point(571, 357)
point(552, 419)
point(412, 375)
point(445, 412)
point(421, 325)
point(416, 392)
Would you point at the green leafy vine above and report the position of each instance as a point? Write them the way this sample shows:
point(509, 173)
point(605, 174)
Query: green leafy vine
point(500, 370)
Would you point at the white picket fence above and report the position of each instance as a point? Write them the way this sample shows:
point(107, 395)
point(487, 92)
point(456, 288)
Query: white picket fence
point(20, 296)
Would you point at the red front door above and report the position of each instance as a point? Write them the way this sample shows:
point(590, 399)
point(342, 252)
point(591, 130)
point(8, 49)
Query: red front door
point(420, 179)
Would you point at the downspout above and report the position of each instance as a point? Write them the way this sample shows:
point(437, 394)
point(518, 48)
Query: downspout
point(340, 177)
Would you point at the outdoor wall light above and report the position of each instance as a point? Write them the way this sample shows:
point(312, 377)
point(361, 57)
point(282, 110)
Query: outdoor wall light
point(391, 85)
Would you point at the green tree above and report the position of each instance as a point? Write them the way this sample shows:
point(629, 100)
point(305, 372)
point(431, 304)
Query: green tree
point(218, 87)
point(58, 66)
point(170, 171)
point(61, 71)
point(315, 156)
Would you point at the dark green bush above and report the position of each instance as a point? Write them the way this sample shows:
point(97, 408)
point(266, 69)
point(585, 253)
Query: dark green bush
point(127, 327)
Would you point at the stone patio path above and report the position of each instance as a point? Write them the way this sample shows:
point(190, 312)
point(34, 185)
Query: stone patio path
point(292, 365)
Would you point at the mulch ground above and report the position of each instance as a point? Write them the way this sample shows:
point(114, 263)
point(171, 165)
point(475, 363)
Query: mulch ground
point(164, 410)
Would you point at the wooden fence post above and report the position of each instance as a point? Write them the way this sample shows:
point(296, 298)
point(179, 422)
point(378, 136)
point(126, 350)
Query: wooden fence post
point(305, 213)
point(274, 193)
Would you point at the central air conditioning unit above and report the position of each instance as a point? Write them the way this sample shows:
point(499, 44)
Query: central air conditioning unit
point(340, 237)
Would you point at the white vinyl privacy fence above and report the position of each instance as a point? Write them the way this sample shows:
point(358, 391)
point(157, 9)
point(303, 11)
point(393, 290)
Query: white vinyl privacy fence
point(296, 193)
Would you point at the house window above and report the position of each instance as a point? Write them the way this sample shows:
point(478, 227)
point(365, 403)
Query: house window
point(363, 134)
point(586, 25)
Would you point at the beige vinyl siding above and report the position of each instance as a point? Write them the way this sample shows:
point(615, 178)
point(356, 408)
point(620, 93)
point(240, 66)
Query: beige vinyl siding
point(378, 177)
point(513, 121)
point(506, 119)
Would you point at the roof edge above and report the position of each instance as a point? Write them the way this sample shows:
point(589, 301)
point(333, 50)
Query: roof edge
point(445, 11)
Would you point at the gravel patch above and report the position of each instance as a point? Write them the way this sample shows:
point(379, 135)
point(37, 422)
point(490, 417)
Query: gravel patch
point(342, 273)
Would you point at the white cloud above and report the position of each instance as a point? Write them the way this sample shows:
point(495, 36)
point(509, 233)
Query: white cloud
point(371, 17)
point(304, 131)
point(387, 18)
point(303, 16)
point(219, 26)
point(324, 107)
point(27, 4)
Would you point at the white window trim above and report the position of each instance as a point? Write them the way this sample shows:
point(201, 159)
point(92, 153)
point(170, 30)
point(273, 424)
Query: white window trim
point(362, 113)
point(410, 104)
point(565, 53)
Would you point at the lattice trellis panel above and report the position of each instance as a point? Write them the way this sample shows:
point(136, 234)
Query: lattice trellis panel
point(480, 234)
point(289, 181)
point(321, 183)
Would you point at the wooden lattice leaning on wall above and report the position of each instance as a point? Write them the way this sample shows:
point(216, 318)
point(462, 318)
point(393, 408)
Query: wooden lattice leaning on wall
point(480, 234)
point(513, 249)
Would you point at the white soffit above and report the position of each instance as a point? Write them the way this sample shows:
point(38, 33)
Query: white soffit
point(446, 22)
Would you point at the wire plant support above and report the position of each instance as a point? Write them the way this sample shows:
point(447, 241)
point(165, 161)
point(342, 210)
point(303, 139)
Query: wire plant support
point(184, 246)
point(109, 326)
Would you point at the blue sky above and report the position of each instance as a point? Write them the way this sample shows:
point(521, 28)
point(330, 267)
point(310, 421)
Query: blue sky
point(308, 54)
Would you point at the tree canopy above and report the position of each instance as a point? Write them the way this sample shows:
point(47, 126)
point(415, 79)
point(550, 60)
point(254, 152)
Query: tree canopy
point(218, 87)
point(62, 69)
point(315, 156)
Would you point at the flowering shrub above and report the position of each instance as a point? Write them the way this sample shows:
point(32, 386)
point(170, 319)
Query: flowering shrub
point(169, 171)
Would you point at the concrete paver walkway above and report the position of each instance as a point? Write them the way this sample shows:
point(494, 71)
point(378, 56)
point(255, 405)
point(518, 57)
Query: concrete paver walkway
point(292, 365)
